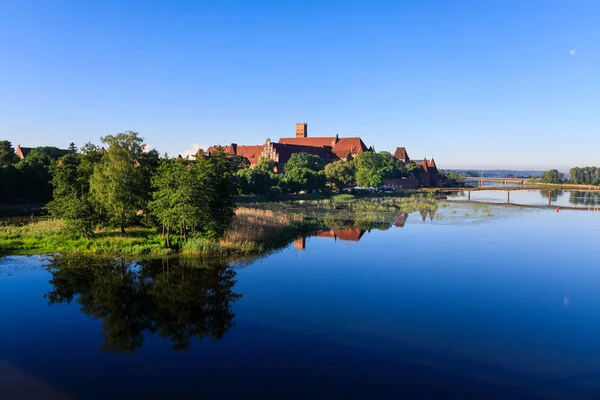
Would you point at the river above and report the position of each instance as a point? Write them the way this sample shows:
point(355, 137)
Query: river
point(454, 305)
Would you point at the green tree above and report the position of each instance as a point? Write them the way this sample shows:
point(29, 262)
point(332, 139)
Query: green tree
point(305, 160)
point(34, 174)
point(340, 174)
point(177, 199)
point(240, 162)
point(552, 176)
point(372, 168)
point(255, 181)
point(298, 179)
point(7, 154)
point(453, 179)
point(413, 169)
point(194, 197)
point(216, 174)
point(304, 171)
point(120, 182)
point(265, 165)
point(71, 199)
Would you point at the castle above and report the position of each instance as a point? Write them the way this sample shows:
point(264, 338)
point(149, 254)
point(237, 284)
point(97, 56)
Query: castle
point(329, 149)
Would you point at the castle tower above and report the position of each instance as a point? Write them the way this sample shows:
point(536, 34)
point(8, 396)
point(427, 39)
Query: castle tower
point(301, 130)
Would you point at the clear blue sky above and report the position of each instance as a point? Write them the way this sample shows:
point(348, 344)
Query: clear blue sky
point(477, 84)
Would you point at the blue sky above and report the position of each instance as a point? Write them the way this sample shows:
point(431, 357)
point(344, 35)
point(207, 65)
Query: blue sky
point(477, 84)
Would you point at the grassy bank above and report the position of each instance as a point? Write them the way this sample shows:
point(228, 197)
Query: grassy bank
point(252, 232)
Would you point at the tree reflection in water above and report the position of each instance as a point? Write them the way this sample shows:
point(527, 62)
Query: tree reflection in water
point(178, 299)
point(585, 198)
point(553, 195)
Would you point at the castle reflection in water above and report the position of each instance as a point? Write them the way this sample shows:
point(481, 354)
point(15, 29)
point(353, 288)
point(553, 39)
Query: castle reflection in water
point(355, 233)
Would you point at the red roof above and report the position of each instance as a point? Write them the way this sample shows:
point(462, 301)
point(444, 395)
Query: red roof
point(252, 153)
point(349, 234)
point(229, 149)
point(310, 141)
point(326, 234)
point(346, 146)
point(401, 153)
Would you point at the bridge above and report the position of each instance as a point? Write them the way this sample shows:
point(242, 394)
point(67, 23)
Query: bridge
point(482, 179)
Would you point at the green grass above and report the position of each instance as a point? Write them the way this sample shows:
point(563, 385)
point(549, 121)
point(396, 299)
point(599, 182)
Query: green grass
point(253, 232)
point(49, 236)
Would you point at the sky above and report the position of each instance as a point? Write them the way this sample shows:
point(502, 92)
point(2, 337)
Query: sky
point(475, 84)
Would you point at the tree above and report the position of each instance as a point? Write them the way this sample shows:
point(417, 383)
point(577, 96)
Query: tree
point(304, 171)
point(34, 174)
point(254, 181)
point(177, 198)
point(552, 176)
point(453, 179)
point(216, 175)
point(305, 160)
point(240, 162)
point(298, 179)
point(372, 168)
point(71, 196)
point(585, 175)
point(7, 154)
point(265, 165)
point(194, 197)
point(120, 181)
point(413, 169)
point(340, 174)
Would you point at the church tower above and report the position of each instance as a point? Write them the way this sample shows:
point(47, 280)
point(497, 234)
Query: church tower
point(301, 130)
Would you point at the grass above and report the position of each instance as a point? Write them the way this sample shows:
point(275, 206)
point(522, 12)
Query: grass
point(252, 232)
point(46, 235)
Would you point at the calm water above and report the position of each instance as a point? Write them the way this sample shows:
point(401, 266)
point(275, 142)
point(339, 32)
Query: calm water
point(558, 198)
point(501, 307)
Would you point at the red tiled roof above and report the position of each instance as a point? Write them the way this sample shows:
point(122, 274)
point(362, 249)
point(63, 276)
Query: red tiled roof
point(326, 234)
point(229, 149)
point(401, 153)
point(309, 141)
point(349, 234)
point(252, 153)
point(345, 146)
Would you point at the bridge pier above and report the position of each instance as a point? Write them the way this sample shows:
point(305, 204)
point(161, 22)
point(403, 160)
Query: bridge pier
point(469, 198)
point(508, 199)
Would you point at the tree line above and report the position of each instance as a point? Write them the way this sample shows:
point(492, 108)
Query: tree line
point(578, 176)
point(308, 172)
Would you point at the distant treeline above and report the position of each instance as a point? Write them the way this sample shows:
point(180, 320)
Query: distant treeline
point(578, 176)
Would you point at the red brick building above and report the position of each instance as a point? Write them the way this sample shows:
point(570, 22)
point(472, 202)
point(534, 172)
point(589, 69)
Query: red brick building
point(428, 174)
point(329, 149)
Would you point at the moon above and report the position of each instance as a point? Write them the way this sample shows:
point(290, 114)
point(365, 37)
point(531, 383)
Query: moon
point(572, 52)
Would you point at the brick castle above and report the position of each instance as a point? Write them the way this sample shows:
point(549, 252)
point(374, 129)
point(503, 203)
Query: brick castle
point(329, 149)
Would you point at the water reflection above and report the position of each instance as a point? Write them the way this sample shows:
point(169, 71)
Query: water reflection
point(551, 195)
point(353, 231)
point(531, 197)
point(584, 198)
point(179, 299)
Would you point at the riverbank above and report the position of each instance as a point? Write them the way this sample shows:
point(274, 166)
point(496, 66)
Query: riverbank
point(253, 232)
